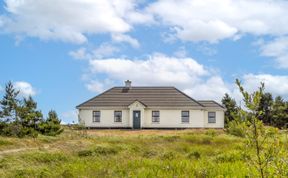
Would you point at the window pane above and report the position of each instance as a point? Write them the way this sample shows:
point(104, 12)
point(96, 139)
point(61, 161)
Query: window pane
point(185, 116)
point(211, 117)
point(185, 119)
point(155, 113)
point(118, 116)
point(155, 116)
point(96, 116)
point(211, 114)
point(185, 113)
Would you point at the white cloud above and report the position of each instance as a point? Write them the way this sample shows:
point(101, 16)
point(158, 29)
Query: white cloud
point(80, 53)
point(104, 50)
point(276, 84)
point(70, 20)
point(214, 88)
point(126, 38)
point(214, 20)
point(277, 49)
point(25, 88)
point(159, 70)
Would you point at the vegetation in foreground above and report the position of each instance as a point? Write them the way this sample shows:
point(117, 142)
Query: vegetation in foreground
point(120, 153)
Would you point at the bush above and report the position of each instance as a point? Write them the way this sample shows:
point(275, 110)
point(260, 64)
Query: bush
point(194, 154)
point(168, 156)
point(84, 153)
point(237, 128)
point(105, 150)
point(98, 151)
point(211, 132)
point(228, 157)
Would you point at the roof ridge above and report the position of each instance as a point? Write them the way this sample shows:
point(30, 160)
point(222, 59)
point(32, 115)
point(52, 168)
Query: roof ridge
point(213, 102)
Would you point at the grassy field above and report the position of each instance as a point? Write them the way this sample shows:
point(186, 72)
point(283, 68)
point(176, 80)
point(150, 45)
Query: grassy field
point(125, 153)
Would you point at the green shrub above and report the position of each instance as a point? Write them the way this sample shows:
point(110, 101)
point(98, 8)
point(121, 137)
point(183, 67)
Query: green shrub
point(67, 174)
point(228, 157)
point(211, 132)
point(45, 158)
point(172, 138)
point(207, 140)
point(5, 142)
point(84, 153)
point(149, 154)
point(100, 150)
point(237, 128)
point(194, 154)
point(168, 155)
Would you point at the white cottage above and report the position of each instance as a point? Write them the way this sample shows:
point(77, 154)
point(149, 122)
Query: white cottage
point(149, 107)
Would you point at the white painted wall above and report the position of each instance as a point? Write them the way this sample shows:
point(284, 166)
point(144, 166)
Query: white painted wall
point(106, 119)
point(219, 120)
point(172, 119)
point(169, 118)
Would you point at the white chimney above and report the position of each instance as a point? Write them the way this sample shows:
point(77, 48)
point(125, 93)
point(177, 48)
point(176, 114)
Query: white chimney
point(128, 84)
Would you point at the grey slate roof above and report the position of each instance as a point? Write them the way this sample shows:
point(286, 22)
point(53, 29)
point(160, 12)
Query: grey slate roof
point(149, 96)
point(210, 104)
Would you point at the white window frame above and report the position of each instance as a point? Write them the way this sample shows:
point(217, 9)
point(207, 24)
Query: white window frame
point(117, 116)
point(155, 116)
point(96, 117)
point(185, 118)
point(212, 117)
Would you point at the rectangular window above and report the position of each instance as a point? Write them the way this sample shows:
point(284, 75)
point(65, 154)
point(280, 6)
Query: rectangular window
point(155, 116)
point(211, 117)
point(117, 116)
point(185, 116)
point(96, 116)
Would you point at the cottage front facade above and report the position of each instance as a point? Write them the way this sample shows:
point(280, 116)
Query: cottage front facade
point(149, 107)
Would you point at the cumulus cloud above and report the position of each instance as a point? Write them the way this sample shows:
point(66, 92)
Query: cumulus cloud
point(25, 88)
point(276, 84)
point(213, 20)
point(104, 50)
point(70, 20)
point(159, 70)
point(126, 38)
point(277, 49)
point(80, 53)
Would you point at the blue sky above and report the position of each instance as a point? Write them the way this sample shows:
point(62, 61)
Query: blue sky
point(63, 55)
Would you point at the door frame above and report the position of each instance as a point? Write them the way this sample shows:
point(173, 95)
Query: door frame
point(134, 111)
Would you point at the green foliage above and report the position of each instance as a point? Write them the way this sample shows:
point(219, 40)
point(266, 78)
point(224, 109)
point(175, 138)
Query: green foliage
point(51, 126)
point(279, 115)
point(195, 155)
point(259, 138)
point(211, 132)
point(231, 108)
point(99, 150)
point(9, 104)
point(21, 118)
point(237, 128)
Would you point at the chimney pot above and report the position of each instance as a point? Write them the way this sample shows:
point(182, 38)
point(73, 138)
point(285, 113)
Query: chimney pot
point(128, 84)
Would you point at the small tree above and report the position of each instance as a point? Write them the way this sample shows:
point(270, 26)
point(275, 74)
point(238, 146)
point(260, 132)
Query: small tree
point(9, 104)
point(52, 125)
point(279, 114)
point(29, 116)
point(264, 142)
point(265, 107)
point(231, 108)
